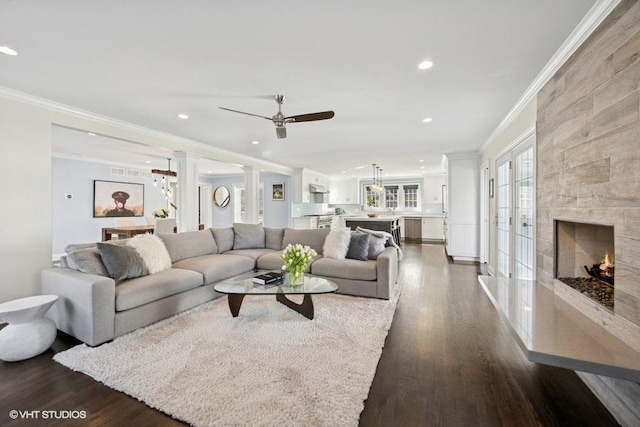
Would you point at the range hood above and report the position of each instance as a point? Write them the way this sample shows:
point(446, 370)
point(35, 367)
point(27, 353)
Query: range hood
point(317, 189)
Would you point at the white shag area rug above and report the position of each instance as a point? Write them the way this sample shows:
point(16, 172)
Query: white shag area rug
point(270, 366)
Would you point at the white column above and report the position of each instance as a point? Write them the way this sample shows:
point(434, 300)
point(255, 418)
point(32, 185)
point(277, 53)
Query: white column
point(251, 188)
point(187, 195)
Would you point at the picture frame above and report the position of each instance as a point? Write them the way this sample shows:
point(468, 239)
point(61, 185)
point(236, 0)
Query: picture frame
point(113, 199)
point(491, 193)
point(277, 192)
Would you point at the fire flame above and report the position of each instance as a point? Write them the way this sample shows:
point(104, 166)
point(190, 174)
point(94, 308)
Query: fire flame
point(607, 262)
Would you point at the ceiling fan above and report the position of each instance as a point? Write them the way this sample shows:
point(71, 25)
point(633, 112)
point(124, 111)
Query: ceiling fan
point(281, 121)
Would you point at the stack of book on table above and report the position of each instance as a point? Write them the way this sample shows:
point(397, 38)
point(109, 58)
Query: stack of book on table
point(269, 278)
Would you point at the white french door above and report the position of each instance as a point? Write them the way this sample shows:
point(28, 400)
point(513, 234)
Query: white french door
point(514, 218)
point(523, 213)
point(503, 216)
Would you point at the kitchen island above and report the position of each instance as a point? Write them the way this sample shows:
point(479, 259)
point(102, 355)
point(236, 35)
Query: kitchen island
point(390, 224)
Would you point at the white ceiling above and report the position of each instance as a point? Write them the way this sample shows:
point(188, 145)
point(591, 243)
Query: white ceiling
point(144, 61)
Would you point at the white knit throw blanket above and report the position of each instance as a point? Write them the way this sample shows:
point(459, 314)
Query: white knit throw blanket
point(379, 233)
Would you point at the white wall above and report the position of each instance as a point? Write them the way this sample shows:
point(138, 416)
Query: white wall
point(73, 220)
point(25, 246)
point(277, 214)
point(489, 153)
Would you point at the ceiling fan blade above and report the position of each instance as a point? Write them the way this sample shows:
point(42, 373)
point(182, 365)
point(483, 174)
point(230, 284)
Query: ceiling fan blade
point(242, 112)
point(323, 115)
point(281, 132)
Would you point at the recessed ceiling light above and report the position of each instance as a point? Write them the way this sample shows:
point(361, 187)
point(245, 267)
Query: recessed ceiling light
point(344, 171)
point(147, 161)
point(7, 50)
point(425, 65)
point(427, 120)
point(91, 133)
point(421, 167)
point(183, 116)
point(421, 161)
point(209, 171)
point(255, 142)
point(359, 167)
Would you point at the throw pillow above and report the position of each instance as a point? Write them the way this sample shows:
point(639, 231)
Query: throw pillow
point(336, 244)
point(359, 246)
point(223, 238)
point(248, 236)
point(376, 246)
point(273, 238)
point(152, 251)
point(122, 262)
point(88, 261)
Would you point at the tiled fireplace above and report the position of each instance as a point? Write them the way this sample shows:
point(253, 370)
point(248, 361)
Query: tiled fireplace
point(588, 171)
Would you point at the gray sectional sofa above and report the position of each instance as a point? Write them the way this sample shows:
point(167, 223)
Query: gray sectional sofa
point(95, 308)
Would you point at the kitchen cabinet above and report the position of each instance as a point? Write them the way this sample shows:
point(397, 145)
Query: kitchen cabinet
point(344, 192)
point(412, 228)
point(432, 228)
point(461, 218)
point(300, 183)
point(305, 222)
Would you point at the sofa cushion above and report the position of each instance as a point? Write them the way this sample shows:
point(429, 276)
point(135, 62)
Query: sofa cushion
point(270, 261)
point(309, 237)
point(359, 246)
point(345, 268)
point(251, 253)
point(248, 236)
point(87, 261)
point(224, 238)
point(217, 267)
point(273, 238)
point(152, 251)
point(189, 244)
point(142, 290)
point(336, 244)
point(122, 262)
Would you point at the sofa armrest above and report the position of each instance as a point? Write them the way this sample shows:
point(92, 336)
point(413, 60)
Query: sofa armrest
point(387, 265)
point(86, 308)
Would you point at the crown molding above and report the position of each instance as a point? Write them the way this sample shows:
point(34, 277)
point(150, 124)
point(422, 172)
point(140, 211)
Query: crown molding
point(587, 25)
point(216, 153)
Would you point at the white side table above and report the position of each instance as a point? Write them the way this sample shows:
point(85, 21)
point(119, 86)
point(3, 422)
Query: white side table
point(28, 333)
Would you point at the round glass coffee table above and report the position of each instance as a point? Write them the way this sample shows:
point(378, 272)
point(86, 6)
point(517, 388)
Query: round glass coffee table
point(240, 286)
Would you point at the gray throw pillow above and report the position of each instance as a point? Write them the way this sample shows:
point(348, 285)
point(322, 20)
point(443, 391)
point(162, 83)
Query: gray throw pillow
point(122, 262)
point(359, 246)
point(224, 238)
point(273, 238)
point(248, 236)
point(87, 261)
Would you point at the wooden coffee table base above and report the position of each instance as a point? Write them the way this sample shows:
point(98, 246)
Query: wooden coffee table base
point(305, 308)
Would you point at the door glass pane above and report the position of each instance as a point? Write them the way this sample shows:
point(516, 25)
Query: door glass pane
point(523, 214)
point(503, 204)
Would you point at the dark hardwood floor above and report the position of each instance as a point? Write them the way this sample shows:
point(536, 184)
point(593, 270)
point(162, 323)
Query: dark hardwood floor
point(448, 360)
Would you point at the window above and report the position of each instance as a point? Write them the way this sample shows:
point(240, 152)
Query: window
point(239, 209)
point(391, 197)
point(410, 196)
point(403, 196)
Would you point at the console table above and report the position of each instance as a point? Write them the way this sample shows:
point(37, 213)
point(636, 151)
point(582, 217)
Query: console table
point(108, 232)
point(390, 224)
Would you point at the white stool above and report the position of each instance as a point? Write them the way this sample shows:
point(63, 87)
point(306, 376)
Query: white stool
point(28, 333)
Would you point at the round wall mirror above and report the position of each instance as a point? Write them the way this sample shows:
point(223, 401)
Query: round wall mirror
point(221, 196)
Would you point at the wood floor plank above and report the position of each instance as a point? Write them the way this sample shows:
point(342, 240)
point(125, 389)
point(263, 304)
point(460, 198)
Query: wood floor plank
point(448, 360)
